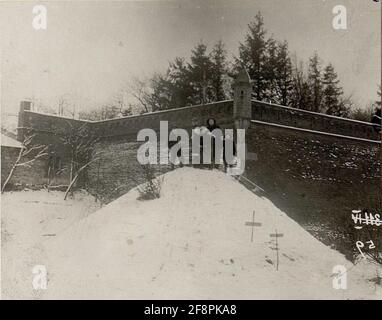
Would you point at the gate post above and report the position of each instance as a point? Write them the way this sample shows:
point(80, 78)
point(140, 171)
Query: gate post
point(24, 106)
point(242, 108)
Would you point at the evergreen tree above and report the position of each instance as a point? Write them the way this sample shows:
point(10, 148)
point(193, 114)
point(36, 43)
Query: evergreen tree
point(282, 77)
point(204, 78)
point(333, 102)
point(270, 72)
point(219, 70)
point(252, 56)
point(181, 91)
point(160, 98)
point(315, 84)
point(173, 89)
point(200, 73)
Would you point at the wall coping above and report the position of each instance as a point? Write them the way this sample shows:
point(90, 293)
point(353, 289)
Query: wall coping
point(225, 101)
point(56, 116)
point(162, 111)
point(314, 132)
point(199, 106)
point(311, 112)
point(133, 116)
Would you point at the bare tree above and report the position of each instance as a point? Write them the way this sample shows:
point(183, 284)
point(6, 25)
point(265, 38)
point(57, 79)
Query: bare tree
point(76, 175)
point(300, 89)
point(139, 90)
point(67, 106)
point(80, 143)
point(46, 109)
point(62, 103)
point(28, 153)
point(116, 108)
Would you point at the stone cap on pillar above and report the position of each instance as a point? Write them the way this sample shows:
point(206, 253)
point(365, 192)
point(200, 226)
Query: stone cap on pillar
point(243, 77)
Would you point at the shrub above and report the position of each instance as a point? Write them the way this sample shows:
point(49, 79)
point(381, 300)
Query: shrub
point(151, 188)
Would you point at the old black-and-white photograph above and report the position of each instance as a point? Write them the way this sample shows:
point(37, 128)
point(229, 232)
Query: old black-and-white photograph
point(191, 150)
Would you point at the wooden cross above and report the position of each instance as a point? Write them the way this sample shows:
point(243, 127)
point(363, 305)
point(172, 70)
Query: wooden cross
point(253, 224)
point(276, 235)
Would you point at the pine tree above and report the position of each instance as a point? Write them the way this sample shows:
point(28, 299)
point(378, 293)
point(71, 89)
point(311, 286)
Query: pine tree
point(315, 84)
point(252, 56)
point(200, 72)
point(171, 90)
point(160, 97)
point(282, 77)
point(180, 91)
point(332, 95)
point(219, 70)
point(270, 72)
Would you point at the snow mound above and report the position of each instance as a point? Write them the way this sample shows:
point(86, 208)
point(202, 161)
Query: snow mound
point(192, 243)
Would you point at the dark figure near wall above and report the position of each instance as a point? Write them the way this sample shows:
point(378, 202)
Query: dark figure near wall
point(376, 120)
point(211, 126)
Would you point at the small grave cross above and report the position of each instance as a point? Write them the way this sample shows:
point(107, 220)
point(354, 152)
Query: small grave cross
point(276, 235)
point(253, 224)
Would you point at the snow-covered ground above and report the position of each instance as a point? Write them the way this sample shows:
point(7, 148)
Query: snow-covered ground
point(28, 220)
point(192, 243)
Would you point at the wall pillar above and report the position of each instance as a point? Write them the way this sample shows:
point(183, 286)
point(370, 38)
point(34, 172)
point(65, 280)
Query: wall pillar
point(242, 107)
point(24, 106)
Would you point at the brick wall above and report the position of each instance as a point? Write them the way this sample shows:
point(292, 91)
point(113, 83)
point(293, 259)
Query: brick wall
point(186, 118)
point(22, 174)
point(48, 123)
point(117, 146)
point(304, 172)
point(309, 174)
point(8, 158)
point(273, 113)
point(35, 175)
point(117, 169)
point(48, 131)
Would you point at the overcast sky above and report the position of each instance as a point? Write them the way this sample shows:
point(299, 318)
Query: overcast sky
point(91, 49)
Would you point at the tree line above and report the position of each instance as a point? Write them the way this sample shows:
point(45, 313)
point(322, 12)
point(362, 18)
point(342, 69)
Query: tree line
point(206, 76)
point(277, 75)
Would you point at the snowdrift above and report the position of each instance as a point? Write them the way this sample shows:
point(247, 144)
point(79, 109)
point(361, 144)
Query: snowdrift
point(193, 243)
